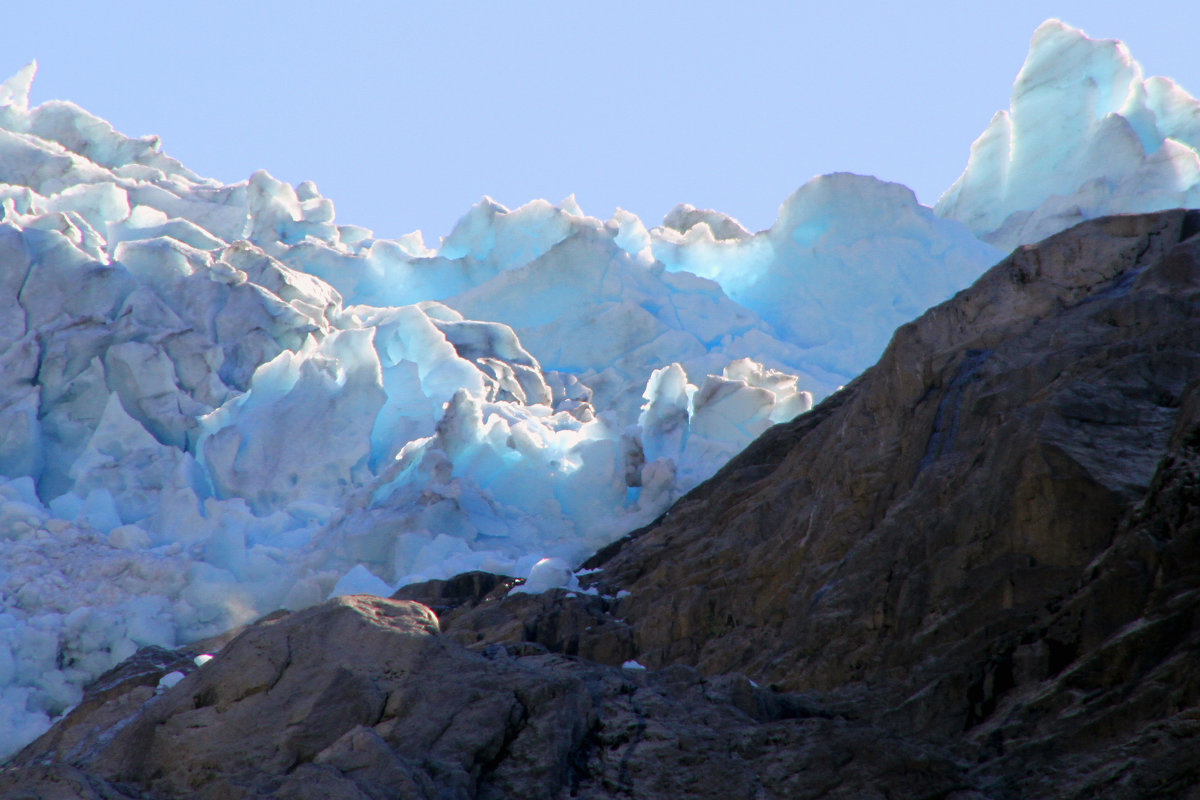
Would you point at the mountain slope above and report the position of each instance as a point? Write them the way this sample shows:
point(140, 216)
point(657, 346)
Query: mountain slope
point(971, 573)
point(216, 401)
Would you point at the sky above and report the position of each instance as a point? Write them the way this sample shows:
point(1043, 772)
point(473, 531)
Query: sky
point(407, 113)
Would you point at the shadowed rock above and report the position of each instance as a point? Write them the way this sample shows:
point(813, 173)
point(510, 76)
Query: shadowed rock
point(361, 698)
point(972, 574)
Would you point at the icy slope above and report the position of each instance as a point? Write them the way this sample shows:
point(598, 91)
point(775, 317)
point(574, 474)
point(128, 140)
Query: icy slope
point(849, 258)
point(215, 400)
point(1085, 136)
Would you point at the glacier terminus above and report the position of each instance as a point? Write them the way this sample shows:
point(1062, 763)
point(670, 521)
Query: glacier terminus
point(217, 399)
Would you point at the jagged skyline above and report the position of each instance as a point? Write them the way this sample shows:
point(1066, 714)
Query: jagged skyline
point(640, 108)
point(235, 404)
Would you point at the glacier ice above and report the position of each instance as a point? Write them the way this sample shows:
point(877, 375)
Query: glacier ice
point(1085, 136)
point(846, 249)
point(216, 400)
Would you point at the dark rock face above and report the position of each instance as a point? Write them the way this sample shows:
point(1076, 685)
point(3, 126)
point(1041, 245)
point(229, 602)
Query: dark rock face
point(361, 698)
point(972, 574)
point(476, 610)
point(988, 539)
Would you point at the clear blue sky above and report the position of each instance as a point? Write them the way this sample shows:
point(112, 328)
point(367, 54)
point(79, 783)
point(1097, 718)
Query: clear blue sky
point(406, 113)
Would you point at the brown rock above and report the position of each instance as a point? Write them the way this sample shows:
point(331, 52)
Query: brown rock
point(956, 542)
point(972, 574)
point(475, 609)
point(467, 590)
point(964, 480)
point(361, 698)
point(946, 543)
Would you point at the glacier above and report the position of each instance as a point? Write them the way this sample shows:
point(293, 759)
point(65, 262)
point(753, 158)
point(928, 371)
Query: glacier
point(1085, 135)
point(217, 400)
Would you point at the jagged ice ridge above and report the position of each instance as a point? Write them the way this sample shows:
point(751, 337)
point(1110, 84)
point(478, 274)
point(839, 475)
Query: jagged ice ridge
point(1085, 136)
point(215, 400)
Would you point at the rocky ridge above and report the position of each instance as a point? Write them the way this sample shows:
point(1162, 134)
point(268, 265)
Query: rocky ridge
point(969, 574)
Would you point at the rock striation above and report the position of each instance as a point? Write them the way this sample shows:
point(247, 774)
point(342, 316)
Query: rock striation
point(973, 573)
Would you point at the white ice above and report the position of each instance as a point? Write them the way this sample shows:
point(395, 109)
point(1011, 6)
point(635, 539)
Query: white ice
point(216, 401)
point(1085, 136)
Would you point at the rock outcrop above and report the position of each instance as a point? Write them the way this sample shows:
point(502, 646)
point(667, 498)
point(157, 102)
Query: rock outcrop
point(973, 573)
point(988, 539)
point(361, 698)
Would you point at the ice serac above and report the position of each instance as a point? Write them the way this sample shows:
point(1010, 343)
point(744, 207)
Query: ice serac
point(1085, 135)
point(978, 564)
point(848, 260)
point(586, 307)
point(263, 445)
point(216, 401)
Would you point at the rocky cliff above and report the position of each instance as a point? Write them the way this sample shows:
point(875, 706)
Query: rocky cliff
point(973, 573)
